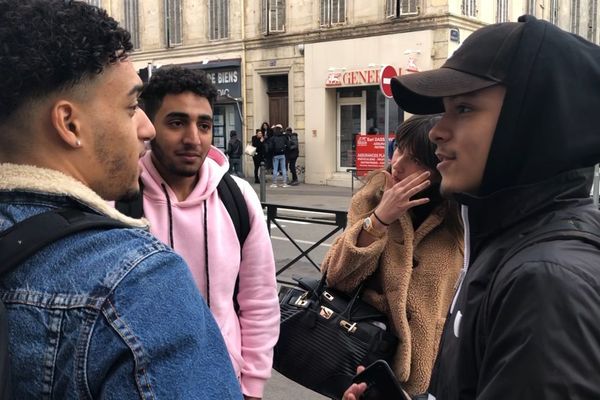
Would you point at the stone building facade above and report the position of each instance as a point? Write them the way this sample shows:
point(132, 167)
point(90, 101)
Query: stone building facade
point(314, 64)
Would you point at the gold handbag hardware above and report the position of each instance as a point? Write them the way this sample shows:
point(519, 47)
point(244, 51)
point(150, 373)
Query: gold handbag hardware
point(350, 328)
point(301, 301)
point(326, 312)
point(328, 295)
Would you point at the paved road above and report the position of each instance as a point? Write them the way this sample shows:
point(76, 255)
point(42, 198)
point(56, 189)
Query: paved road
point(281, 388)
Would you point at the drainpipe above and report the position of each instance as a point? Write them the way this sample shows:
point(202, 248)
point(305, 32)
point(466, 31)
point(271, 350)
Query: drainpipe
point(243, 71)
point(243, 83)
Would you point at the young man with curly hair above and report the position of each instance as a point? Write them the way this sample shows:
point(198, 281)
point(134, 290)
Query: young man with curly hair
point(181, 199)
point(102, 313)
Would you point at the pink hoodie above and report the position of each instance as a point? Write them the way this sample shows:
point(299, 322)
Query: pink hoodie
point(250, 338)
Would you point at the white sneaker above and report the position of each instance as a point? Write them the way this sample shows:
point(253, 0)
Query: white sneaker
point(284, 185)
point(273, 185)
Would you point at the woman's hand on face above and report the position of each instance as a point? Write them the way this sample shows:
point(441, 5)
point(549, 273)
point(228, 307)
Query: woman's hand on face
point(396, 199)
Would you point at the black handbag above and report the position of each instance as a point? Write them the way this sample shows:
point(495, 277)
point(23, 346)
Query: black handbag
point(325, 334)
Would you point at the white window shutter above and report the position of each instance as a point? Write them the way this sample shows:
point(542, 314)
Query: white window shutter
point(391, 8)
point(325, 19)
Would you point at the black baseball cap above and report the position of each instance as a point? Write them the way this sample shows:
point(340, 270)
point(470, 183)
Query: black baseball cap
point(483, 60)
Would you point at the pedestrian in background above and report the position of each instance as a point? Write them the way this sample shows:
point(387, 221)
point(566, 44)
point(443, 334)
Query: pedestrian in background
point(267, 132)
point(291, 154)
point(258, 141)
point(404, 242)
point(517, 144)
point(234, 152)
point(103, 313)
point(181, 175)
point(277, 146)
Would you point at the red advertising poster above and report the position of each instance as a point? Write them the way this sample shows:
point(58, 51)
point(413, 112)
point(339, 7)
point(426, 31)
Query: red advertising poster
point(370, 153)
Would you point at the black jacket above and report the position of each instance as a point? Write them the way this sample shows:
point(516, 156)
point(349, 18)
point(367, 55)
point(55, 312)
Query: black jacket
point(234, 148)
point(528, 327)
point(277, 144)
point(292, 150)
point(260, 148)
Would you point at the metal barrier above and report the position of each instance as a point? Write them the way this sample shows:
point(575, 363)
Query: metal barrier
point(354, 175)
point(263, 182)
point(338, 221)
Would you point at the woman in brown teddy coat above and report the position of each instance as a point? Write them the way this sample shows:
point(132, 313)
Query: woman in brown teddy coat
point(407, 242)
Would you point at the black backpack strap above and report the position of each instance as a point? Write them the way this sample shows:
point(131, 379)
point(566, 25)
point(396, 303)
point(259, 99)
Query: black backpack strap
point(134, 206)
point(25, 238)
point(234, 202)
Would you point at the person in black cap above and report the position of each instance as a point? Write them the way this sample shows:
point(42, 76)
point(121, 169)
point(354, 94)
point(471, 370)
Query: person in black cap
point(517, 144)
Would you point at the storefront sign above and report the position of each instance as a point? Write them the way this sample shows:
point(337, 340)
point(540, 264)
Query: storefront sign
point(370, 153)
point(358, 77)
point(227, 81)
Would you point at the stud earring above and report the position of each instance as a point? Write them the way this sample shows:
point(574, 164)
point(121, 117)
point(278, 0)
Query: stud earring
point(78, 143)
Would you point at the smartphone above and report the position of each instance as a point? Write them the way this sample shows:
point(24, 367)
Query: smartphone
point(381, 383)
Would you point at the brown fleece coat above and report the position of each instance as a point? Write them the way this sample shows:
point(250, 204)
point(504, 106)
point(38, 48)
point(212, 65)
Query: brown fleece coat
point(413, 285)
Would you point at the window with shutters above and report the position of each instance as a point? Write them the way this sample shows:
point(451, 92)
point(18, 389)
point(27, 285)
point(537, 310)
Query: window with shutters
point(333, 12)
point(173, 26)
point(273, 16)
point(396, 8)
point(132, 21)
point(501, 10)
point(218, 19)
point(408, 7)
point(575, 7)
point(469, 8)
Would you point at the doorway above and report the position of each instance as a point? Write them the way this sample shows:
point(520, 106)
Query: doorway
point(277, 91)
point(351, 121)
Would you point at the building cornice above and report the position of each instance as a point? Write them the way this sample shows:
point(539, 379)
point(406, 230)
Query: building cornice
point(211, 49)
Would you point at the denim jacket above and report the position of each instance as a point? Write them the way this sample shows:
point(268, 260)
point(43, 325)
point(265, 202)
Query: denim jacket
point(104, 314)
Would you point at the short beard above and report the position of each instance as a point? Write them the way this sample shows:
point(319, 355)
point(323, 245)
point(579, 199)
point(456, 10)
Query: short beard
point(184, 173)
point(160, 156)
point(131, 195)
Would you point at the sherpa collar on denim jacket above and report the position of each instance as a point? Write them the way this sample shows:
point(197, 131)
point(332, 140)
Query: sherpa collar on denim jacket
point(28, 178)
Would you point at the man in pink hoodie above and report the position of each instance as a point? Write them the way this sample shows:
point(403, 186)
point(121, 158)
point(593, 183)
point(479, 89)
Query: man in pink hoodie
point(180, 176)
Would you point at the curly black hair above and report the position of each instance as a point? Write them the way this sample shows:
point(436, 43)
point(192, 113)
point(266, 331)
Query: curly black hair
point(175, 80)
point(51, 45)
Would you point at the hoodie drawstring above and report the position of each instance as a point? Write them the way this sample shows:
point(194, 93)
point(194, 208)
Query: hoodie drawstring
point(164, 188)
point(172, 244)
point(206, 255)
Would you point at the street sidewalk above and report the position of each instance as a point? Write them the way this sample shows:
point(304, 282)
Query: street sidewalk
point(305, 195)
